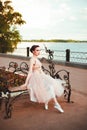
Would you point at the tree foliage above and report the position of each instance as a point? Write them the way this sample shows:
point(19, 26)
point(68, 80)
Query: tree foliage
point(9, 19)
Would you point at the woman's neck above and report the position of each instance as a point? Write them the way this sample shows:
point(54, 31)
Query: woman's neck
point(34, 56)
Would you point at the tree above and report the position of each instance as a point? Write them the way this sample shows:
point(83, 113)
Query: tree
point(9, 19)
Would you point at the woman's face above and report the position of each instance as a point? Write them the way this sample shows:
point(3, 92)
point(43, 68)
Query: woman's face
point(36, 52)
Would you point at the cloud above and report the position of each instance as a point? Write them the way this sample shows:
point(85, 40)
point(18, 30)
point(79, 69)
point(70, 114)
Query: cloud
point(52, 18)
point(72, 18)
point(35, 13)
point(39, 15)
point(84, 13)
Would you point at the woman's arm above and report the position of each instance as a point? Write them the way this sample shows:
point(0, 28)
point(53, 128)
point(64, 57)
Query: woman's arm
point(30, 71)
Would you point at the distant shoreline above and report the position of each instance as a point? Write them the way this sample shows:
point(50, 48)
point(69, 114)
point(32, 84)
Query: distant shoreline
point(55, 40)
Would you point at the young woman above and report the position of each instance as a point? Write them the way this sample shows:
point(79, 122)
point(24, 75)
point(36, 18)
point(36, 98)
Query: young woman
point(42, 88)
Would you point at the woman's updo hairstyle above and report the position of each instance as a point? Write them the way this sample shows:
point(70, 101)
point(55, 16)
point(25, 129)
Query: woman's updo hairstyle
point(33, 48)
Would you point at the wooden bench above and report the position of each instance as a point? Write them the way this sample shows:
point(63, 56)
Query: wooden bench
point(15, 76)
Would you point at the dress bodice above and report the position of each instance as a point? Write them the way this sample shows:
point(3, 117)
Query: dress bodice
point(35, 65)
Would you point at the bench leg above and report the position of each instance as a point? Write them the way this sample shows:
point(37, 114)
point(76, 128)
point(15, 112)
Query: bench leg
point(8, 104)
point(8, 109)
point(69, 95)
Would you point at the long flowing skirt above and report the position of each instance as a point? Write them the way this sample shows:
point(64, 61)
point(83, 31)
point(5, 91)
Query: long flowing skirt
point(42, 88)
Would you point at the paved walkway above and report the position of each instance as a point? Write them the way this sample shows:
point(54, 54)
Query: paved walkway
point(32, 116)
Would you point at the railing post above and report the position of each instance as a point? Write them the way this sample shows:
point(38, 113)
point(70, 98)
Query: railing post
point(28, 49)
point(67, 55)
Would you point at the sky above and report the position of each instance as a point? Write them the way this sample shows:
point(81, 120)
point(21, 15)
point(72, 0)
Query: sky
point(52, 19)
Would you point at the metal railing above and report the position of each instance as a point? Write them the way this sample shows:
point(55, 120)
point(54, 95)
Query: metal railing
point(58, 55)
point(78, 57)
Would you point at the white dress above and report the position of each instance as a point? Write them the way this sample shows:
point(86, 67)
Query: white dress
point(42, 88)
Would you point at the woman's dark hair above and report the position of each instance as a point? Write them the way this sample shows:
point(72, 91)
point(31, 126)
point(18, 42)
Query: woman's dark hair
point(33, 48)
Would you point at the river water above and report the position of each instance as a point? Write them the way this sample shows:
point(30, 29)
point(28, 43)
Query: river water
point(58, 48)
point(80, 47)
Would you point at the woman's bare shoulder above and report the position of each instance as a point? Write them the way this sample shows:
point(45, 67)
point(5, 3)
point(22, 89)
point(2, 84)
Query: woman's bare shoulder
point(32, 60)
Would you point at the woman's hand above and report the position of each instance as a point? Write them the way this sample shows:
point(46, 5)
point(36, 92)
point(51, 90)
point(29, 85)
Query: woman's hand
point(23, 87)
